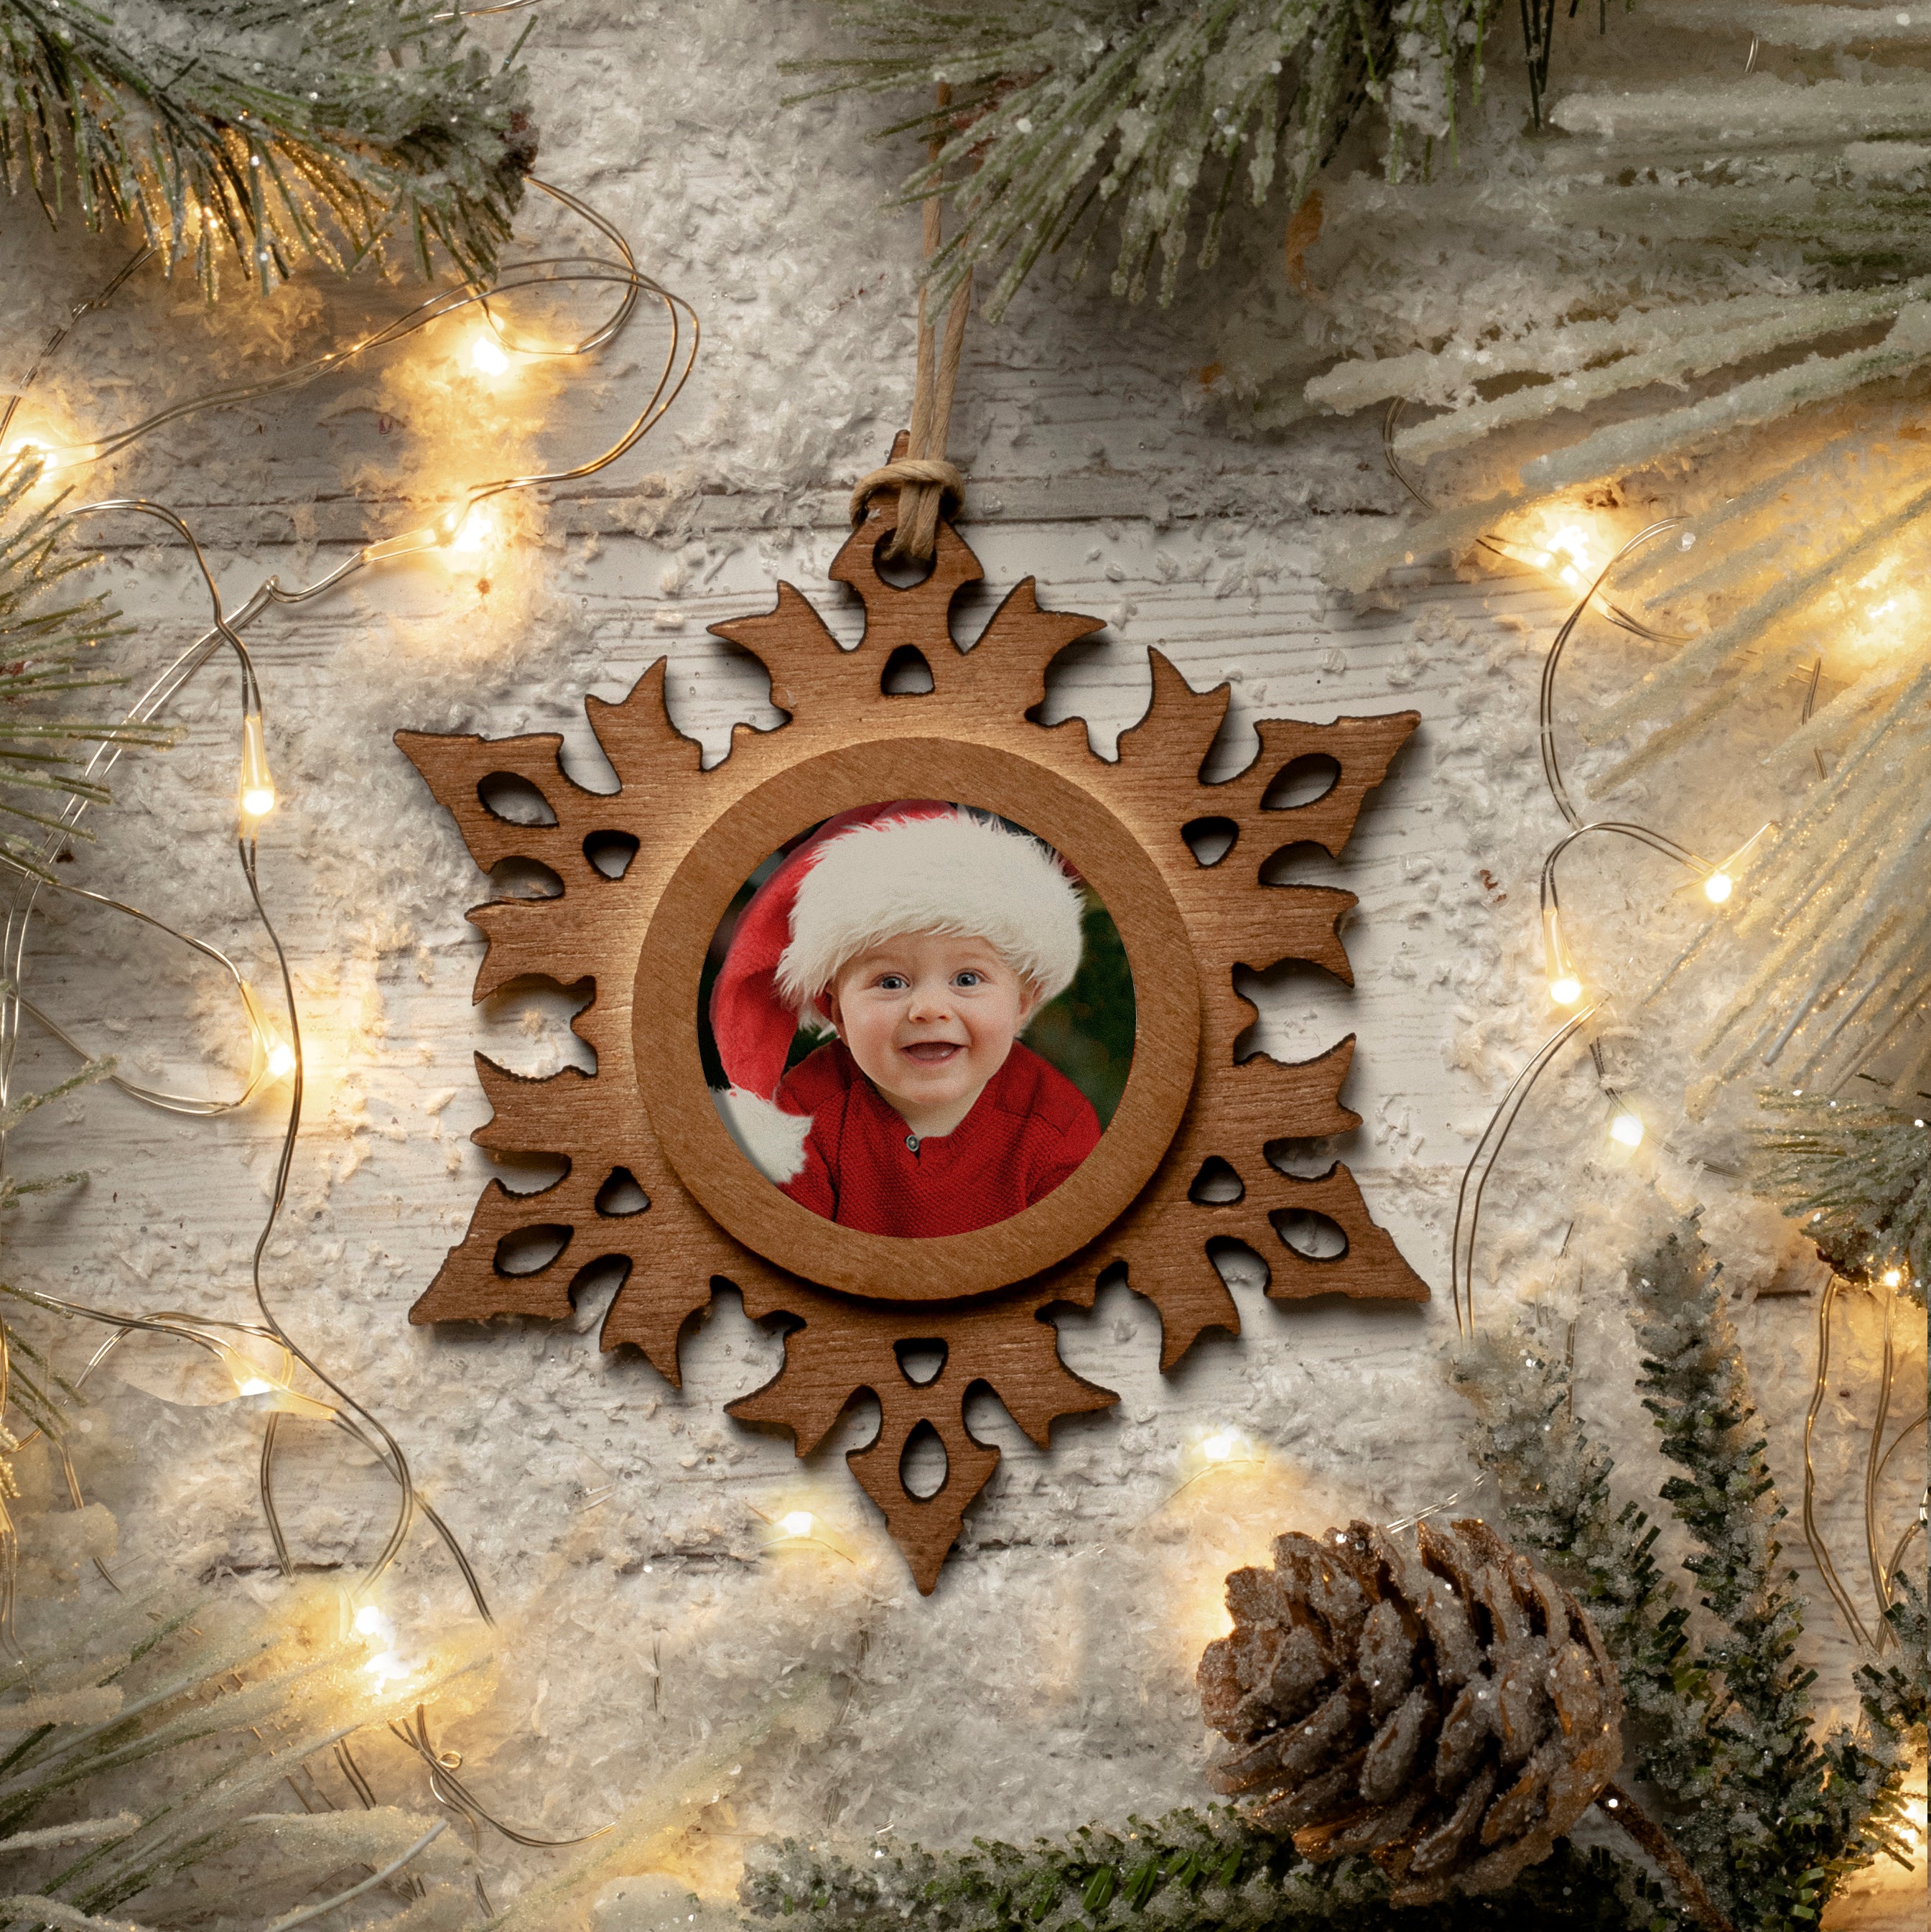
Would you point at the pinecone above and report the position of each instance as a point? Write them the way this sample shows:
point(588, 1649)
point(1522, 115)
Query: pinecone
point(1451, 1716)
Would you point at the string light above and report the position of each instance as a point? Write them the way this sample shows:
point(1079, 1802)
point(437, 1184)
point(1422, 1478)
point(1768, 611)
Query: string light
point(274, 1058)
point(437, 535)
point(1892, 1277)
point(377, 1629)
point(1627, 1130)
point(795, 1528)
point(1722, 881)
point(258, 784)
point(258, 1360)
point(1565, 983)
point(51, 459)
point(473, 533)
point(1572, 540)
point(1221, 1449)
point(262, 1369)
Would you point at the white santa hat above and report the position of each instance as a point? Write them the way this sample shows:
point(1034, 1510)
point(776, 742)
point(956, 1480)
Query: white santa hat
point(867, 876)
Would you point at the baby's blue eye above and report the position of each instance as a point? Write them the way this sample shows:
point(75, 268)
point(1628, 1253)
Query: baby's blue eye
point(892, 983)
point(968, 979)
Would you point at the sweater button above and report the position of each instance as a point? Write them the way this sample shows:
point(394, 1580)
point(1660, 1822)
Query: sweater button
point(912, 1141)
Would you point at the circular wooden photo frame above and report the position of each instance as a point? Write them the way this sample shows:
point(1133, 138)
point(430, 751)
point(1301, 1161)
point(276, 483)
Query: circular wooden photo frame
point(886, 1268)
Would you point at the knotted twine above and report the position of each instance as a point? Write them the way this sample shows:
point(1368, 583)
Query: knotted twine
point(928, 485)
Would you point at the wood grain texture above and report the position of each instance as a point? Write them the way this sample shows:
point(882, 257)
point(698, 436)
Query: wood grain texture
point(1190, 1106)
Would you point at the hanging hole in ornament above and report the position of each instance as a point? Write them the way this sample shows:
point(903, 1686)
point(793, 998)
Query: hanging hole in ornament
point(923, 1466)
point(1211, 839)
point(1216, 1185)
point(1314, 1237)
point(901, 573)
point(530, 1250)
point(621, 1195)
point(921, 1361)
point(516, 878)
point(907, 673)
point(610, 852)
point(1301, 782)
point(513, 799)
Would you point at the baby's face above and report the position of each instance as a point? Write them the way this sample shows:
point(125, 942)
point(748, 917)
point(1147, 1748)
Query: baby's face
point(930, 1020)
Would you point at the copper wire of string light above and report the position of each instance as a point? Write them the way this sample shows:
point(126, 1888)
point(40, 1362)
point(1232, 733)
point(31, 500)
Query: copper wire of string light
point(1820, 1550)
point(1873, 1462)
point(451, 1791)
point(100, 298)
point(1475, 1177)
point(537, 271)
point(1897, 1442)
point(360, 1423)
point(1566, 988)
point(1552, 765)
point(1499, 546)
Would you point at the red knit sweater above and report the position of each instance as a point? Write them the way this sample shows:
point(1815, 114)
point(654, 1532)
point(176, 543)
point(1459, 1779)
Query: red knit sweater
point(866, 1169)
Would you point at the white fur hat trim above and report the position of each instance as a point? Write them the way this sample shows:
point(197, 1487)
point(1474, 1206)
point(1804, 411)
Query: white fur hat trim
point(954, 874)
point(770, 1139)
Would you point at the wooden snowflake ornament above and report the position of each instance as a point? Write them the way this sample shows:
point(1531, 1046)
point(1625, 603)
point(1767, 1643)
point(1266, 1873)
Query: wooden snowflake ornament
point(646, 1116)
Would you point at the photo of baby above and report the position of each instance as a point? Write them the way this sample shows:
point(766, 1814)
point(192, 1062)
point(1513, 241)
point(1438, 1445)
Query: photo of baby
point(923, 939)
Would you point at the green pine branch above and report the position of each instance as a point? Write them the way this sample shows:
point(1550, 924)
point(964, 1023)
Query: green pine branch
point(1858, 1177)
point(1078, 118)
point(46, 640)
point(278, 127)
point(1191, 1871)
point(1555, 1484)
point(1773, 1818)
point(1899, 1694)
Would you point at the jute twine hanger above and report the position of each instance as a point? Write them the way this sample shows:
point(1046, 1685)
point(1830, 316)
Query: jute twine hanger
point(929, 486)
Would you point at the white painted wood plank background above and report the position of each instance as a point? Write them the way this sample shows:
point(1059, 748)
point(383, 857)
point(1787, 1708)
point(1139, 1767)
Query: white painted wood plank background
point(619, 1524)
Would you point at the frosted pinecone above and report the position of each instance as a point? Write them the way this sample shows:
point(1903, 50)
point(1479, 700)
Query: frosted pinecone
point(1450, 1712)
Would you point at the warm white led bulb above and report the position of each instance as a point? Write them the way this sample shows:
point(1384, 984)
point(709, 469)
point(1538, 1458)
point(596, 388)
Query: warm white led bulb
point(370, 1621)
point(1219, 1448)
point(1718, 887)
point(486, 358)
point(1893, 1277)
point(1627, 1130)
point(797, 1522)
point(473, 533)
point(258, 786)
point(255, 1385)
point(281, 1060)
point(1565, 983)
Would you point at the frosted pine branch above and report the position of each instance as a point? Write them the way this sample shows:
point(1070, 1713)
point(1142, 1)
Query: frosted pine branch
point(282, 128)
point(1857, 1176)
point(46, 630)
point(1191, 1871)
point(1153, 117)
